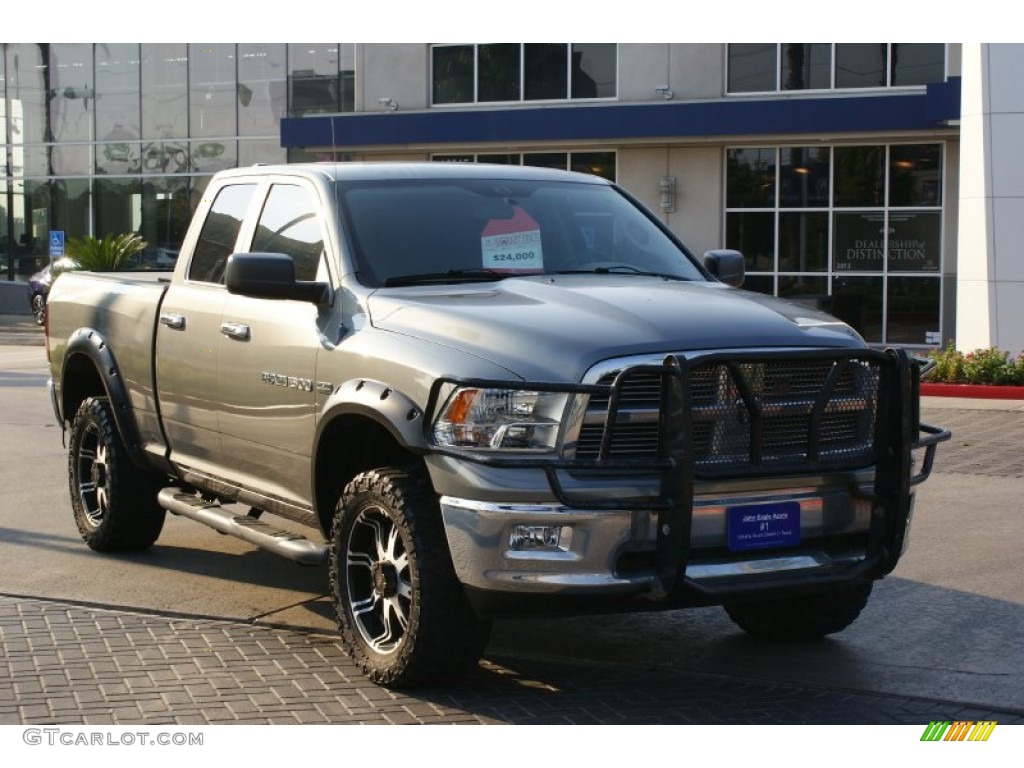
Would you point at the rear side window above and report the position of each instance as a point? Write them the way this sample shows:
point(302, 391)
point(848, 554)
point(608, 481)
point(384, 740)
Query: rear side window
point(289, 224)
point(219, 233)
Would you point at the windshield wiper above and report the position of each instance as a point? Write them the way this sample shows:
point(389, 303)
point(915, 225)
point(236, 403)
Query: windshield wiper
point(475, 275)
point(620, 269)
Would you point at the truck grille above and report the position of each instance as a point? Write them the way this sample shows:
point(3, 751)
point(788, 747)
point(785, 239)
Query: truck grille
point(817, 413)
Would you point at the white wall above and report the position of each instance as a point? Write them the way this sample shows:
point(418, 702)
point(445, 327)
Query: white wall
point(990, 243)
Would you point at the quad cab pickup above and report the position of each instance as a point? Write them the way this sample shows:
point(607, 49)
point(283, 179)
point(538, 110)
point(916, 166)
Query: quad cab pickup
point(486, 391)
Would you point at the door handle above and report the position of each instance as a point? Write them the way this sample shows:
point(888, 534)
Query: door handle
point(171, 320)
point(237, 331)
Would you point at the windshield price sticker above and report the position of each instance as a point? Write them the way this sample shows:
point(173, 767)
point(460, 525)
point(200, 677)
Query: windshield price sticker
point(512, 245)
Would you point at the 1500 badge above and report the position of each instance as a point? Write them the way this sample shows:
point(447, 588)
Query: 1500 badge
point(294, 382)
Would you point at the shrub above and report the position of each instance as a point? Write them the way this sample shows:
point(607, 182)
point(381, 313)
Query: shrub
point(104, 255)
point(981, 366)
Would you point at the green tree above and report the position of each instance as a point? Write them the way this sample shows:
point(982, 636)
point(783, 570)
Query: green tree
point(108, 254)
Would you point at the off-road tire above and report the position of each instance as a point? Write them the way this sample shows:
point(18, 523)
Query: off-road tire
point(114, 502)
point(806, 617)
point(402, 613)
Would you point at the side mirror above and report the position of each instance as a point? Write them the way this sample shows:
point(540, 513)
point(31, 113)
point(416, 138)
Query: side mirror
point(269, 276)
point(726, 265)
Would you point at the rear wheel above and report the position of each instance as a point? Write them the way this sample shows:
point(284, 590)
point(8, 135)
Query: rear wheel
point(115, 503)
point(403, 615)
point(806, 617)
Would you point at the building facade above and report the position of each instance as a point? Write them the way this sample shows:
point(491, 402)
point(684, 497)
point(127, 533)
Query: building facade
point(835, 168)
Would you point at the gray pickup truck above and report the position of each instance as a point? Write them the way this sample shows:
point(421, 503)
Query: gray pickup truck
point(487, 391)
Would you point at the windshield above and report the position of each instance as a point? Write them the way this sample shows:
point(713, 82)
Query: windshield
point(445, 230)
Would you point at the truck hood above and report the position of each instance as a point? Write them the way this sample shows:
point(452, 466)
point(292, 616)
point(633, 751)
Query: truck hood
point(547, 328)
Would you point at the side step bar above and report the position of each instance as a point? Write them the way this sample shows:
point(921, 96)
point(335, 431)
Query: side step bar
point(284, 543)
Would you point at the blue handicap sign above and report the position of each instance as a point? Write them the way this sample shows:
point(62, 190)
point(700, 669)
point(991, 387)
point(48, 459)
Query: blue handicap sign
point(57, 242)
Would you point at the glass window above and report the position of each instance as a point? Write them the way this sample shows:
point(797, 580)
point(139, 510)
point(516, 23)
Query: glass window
point(804, 177)
point(118, 103)
point(499, 72)
point(594, 70)
point(914, 241)
point(166, 157)
point(252, 151)
point(860, 176)
point(918, 63)
point(219, 233)
point(556, 160)
point(70, 201)
point(753, 234)
point(915, 175)
point(811, 292)
point(71, 159)
point(861, 65)
point(913, 310)
point(806, 65)
point(857, 301)
point(499, 159)
point(28, 82)
point(860, 242)
point(347, 76)
point(595, 163)
point(72, 91)
point(452, 74)
point(750, 178)
point(119, 158)
point(118, 206)
point(213, 155)
point(165, 218)
point(803, 242)
point(164, 91)
point(213, 90)
point(752, 67)
point(262, 88)
point(290, 224)
point(545, 71)
point(313, 82)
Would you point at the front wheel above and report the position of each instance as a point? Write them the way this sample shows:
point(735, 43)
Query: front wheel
point(806, 617)
point(402, 613)
point(115, 503)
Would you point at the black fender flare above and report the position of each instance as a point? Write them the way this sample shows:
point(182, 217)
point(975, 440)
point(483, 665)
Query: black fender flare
point(91, 344)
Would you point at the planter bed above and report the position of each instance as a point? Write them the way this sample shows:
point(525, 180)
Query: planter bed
point(985, 391)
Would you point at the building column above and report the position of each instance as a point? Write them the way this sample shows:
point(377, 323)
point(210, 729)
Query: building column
point(990, 244)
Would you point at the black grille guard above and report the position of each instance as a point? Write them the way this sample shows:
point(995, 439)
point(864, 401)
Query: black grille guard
point(898, 433)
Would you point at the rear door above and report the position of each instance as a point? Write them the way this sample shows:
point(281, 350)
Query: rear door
point(188, 336)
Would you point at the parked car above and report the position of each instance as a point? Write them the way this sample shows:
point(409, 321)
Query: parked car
point(39, 286)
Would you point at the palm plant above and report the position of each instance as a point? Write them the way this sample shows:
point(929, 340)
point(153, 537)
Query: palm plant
point(107, 254)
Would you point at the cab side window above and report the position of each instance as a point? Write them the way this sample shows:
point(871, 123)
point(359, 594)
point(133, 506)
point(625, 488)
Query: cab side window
point(290, 224)
point(219, 233)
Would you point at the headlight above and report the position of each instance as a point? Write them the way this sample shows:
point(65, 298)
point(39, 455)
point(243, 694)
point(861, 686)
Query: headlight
point(500, 420)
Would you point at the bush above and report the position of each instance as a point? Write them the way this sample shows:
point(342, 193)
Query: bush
point(982, 366)
point(104, 255)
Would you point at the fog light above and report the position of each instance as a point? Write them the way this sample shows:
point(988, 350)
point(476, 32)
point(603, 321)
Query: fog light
point(540, 538)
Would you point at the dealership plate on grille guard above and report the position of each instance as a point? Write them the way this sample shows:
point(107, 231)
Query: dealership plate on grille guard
point(763, 526)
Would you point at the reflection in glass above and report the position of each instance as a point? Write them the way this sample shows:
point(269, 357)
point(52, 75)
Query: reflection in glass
point(860, 176)
point(557, 160)
point(915, 241)
point(72, 91)
point(593, 70)
point(760, 283)
point(252, 151)
point(166, 157)
point(859, 242)
point(313, 85)
point(918, 63)
point(915, 175)
point(452, 74)
point(262, 88)
point(164, 91)
point(119, 158)
point(165, 218)
point(803, 242)
point(213, 155)
point(70, 201)
point(118, 206)
point(913, 307)
point(213, 90)
point(28, 82)
point(811, 292)
point(498, 72)
point(806, 65)
point(289, 224)
point(118, 102)
point(71, 159)
point(754, 235)
point(803, 177)
point(545, 71)
point(857, 301)
point(860, 65)
point(595, 163)
point(499, 159)
point(752, 67)
point(347, 76)
point(750, 178)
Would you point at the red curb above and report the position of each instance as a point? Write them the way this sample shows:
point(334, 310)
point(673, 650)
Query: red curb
point(985, 391)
